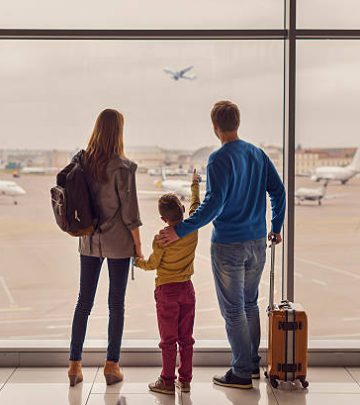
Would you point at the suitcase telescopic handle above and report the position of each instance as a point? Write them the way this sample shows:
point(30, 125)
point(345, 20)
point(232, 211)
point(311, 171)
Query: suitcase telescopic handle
point(272, 273)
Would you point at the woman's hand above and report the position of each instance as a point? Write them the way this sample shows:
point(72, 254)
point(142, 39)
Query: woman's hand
point(137, 242)
point(138, 252)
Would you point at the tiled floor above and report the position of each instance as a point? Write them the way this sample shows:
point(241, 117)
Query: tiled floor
point(40, 386)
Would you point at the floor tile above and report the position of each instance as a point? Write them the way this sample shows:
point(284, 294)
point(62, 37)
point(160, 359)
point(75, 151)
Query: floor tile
point(325, 380)
point(42, 386)
point(328, 375)
point(355, 373)
point(135, 382)
point(211, 394)
point(5, 373)
point(325, 383)
point(320, 399)
point(134, 399)
point(31, 375)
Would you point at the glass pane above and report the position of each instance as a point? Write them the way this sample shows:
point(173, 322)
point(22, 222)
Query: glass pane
point(327, 252)
point(324, 14)
point(52, 92)
point(137, 14)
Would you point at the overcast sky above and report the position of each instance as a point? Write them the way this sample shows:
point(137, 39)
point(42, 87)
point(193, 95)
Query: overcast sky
point(52, 91)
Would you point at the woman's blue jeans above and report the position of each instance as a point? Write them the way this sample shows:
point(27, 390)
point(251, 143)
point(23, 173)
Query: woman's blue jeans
point(89, 277)
point(237, 270)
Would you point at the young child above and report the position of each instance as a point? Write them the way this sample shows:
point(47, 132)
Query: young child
point(174, 294)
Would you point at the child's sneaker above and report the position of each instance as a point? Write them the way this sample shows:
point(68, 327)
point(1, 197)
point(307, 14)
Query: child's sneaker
point(160, 386)
point(183, 386)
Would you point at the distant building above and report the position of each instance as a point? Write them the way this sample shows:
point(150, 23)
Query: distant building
point(200, 157)
point(178, 158)
point(307, 160)
point(275, 153)
point(146, 157)
point(59, 158)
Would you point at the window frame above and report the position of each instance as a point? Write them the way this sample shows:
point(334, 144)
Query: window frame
point(289, 35)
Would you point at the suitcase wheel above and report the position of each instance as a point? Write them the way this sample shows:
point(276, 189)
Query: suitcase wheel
point(303, 382)
point(274, 382)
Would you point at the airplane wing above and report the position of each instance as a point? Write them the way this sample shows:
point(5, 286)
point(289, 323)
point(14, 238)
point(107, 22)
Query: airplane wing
point(169, 71)
point(189, 77)
point(333, 196)
point(186, 70)
point(327, 176)
point(150, 192)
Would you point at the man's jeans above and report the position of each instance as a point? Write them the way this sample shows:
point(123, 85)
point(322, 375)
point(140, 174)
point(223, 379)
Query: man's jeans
point(89, 277)
point(237, 270)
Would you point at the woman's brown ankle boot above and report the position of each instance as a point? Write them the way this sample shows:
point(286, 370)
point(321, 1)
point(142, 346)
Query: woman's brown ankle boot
point(74, 373)
point(112, 372)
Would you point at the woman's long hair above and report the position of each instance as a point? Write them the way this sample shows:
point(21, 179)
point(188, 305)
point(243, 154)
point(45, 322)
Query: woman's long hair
point(105, 142)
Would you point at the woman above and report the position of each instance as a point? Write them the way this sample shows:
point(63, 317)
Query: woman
point(112, 184)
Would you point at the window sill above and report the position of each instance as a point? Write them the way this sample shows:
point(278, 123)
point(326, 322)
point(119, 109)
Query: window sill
point(26, 353)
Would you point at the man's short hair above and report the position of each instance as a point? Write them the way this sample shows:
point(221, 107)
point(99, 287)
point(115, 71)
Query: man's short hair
point(226, 116)
point(170, 207)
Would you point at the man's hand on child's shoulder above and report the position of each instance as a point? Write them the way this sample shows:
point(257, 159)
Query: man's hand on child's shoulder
point(167, 236)
point(157, 241)
point(196, 178)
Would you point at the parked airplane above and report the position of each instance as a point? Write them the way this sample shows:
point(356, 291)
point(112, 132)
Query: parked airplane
point(11, 189)
point(311, 194)
point(180, 187)
point(180, 74)
point(39, 170)
point(168, 172)
point(342, 174)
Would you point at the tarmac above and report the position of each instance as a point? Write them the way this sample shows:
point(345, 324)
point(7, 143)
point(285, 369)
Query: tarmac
point(39, 269)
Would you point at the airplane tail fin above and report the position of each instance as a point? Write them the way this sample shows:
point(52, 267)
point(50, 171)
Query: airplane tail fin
point(163, 174)
point(355, 164)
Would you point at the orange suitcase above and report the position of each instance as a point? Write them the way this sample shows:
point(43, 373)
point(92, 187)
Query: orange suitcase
point(288, 337)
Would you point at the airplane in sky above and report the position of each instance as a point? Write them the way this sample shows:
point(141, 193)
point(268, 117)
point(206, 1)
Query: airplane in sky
point(180, 74)
point(342, 174)
point(11, 189)
point(311, 194)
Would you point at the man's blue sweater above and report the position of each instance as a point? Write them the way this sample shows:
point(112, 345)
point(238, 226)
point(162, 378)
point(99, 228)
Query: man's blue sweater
point(238, 177)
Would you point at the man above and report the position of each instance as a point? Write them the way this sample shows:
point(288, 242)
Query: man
point(238, 177)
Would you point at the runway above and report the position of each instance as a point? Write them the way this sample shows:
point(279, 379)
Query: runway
point(39, 269)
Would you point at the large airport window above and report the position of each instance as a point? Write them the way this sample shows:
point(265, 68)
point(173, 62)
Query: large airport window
point(327, 229)
point(328, 14)
point(142, 14)
point(51, 93)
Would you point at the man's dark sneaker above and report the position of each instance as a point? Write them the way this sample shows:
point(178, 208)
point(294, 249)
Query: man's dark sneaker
point(231, 380)
point(255, 374)
point(160, 386)
point(182, 386)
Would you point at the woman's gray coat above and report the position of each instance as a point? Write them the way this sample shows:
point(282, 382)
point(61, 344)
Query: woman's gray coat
point(118, 211)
